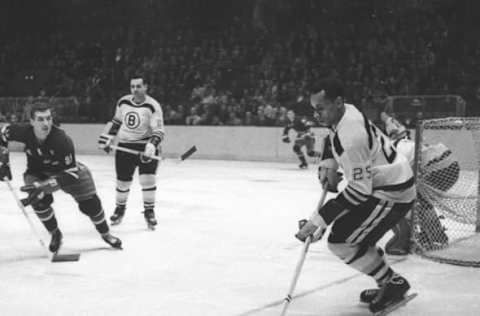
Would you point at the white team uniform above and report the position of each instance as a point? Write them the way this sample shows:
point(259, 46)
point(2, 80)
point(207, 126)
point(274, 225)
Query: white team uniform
point(369, 161)
point(138, 122)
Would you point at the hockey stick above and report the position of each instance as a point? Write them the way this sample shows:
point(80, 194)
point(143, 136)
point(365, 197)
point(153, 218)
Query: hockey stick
point(301, 260)
point(182, 157)
point(55, 257)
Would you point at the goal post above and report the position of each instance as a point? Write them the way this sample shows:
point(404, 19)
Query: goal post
point(446, 217)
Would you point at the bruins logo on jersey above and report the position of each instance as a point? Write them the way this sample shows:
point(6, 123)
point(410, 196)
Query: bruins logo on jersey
point(131, 120)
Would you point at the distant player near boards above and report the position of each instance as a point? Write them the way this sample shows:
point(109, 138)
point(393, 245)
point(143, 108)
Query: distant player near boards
point(305, 137)
point(439, 170)
point(380, 191)
point(138, 125)
point(51, 165)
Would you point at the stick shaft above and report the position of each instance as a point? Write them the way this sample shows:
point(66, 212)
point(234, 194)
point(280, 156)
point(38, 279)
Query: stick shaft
point(134, 152)
point(29, 220)
point(301, 260)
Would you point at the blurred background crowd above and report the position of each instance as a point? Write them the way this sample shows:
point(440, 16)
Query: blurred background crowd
point(227, 62)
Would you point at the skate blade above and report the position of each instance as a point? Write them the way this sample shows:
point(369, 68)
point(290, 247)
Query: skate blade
point(151, 227)
point(396, 305)
point(65, 257)
point(115, 223)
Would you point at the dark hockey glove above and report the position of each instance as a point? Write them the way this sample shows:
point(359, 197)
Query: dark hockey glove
point(37, 190)
point(104, 142)
point(5, 172)
point(286, 139)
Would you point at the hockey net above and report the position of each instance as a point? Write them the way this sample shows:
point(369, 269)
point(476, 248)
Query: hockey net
point(446, 217)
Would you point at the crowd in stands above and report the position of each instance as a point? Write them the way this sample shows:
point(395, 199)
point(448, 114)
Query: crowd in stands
point(244, 62)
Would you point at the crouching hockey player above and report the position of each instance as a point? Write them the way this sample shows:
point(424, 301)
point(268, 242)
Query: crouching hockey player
point(51, 166)
point(438, 170)
point(305, 137)
point(138, 125)
point(379, 193)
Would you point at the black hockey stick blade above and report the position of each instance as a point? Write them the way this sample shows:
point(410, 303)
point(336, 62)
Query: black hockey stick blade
point(396, 305)
point(188, 153)
point(70, 257)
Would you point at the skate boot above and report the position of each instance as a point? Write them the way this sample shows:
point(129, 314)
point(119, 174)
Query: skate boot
point(56, 240)
point(112, 240)
point(150, 218)
point(390, 293)
point(118, 214)
point(303, 165)
point(368, 295)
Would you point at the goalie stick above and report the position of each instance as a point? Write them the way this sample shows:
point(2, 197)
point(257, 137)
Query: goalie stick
point(301, 260)
point(56, 257)
point(182, 157)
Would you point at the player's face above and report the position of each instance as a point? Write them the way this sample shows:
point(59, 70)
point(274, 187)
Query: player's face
point(138, 88)
point(290, 116)
point(42, 123)
point(330, 111)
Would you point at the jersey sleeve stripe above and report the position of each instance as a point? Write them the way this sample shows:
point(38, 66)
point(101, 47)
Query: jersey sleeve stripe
point(357, 195)
point(397, 187)
point(346, 200)
point(337, 146)
point(369, 132)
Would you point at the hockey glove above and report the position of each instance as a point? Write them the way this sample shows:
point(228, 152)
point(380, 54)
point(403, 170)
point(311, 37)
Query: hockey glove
point(314, 227)
point(286, 139)
point(104, 142)
point(5, 172)
point(37, 190)
point(327, 173)
point(148, 153)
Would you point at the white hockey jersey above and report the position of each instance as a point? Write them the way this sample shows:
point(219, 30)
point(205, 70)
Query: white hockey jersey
point(138, 122)
point(369, 161)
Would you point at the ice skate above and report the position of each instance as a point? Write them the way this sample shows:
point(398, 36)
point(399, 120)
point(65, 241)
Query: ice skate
point(117, 216)
point(56, 240)
point(303, 165)
point(150, 219)
point(389, 294)
point(112, 240)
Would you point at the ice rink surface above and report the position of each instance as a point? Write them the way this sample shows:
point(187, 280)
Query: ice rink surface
point(224, 246)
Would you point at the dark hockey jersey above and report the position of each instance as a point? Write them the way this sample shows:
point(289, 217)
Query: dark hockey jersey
point(55, 154)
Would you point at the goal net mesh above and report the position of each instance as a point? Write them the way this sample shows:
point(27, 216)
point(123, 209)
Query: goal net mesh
point(446, 217)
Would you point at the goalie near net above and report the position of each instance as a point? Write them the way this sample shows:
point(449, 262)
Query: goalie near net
point(446, 217)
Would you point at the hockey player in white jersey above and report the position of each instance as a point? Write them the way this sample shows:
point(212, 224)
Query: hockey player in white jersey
point(438, 170)
point(138, 125)
point(380, 192)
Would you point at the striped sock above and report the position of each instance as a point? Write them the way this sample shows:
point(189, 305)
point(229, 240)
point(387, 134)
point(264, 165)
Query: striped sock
point(149, 190)
point(123, 189)
point(370, 260)
point(47, 217)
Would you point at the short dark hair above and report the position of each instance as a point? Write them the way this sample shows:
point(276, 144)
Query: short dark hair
point(138, 76)
point(39, 107)
point(333, 88)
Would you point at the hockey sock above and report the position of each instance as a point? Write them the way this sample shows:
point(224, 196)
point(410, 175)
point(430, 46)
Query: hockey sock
point(368, 260)
point(302, 158)
point(93, 209)
point(99, 221)
point(47, 216)
point(123, 189)
point(149, 189)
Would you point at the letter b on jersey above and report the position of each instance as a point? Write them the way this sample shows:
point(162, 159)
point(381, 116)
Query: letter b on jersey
point(132, 120)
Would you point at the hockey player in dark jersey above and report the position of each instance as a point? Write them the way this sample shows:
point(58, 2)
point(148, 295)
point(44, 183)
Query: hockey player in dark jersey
point(51, 166)
point(305, 137)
